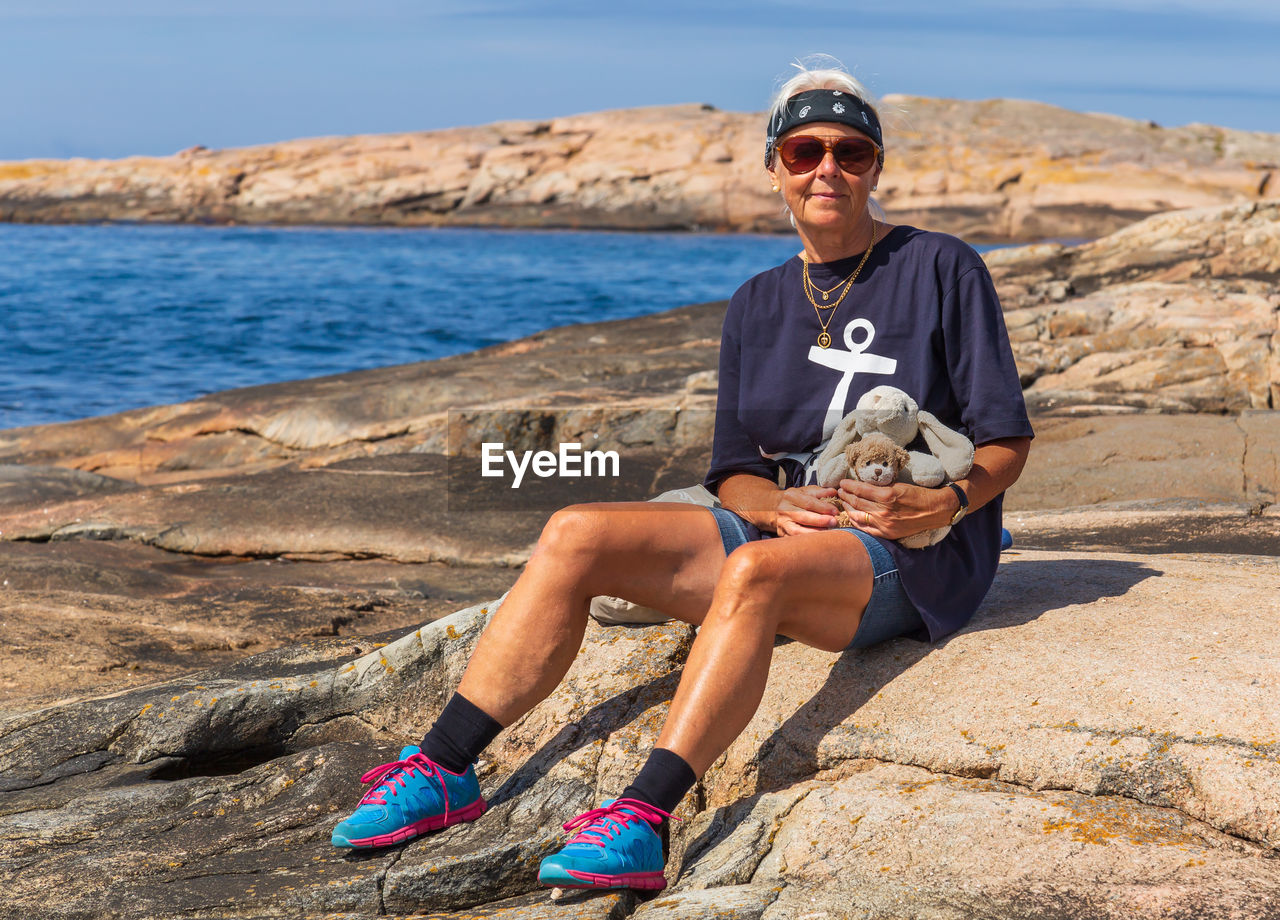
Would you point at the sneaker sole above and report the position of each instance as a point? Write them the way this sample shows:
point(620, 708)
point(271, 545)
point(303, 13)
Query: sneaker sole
point(647, 881)
point(418, 828)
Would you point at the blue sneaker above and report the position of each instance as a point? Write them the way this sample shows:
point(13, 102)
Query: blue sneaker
point(412, 795)
point(616, 847)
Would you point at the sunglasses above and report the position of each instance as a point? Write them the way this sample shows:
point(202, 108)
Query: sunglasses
point(803, 152)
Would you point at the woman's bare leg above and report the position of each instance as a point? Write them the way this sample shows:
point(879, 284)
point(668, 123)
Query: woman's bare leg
point(811, 587)
point(662, 555)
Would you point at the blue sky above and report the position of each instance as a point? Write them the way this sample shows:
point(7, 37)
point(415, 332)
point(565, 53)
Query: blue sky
point(88, 78)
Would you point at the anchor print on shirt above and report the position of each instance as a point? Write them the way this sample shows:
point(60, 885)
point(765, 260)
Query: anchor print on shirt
point(852, 360)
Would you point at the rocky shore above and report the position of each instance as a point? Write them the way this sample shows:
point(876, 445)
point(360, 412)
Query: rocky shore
point(220, 613)
point(999, 170)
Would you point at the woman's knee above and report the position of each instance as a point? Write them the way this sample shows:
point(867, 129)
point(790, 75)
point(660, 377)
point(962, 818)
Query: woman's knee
point(750, 583)
point(571, 532)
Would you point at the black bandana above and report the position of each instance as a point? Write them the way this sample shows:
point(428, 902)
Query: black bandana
point(823, 105)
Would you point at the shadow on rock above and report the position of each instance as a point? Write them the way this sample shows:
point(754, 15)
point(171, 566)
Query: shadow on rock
point(596, 726)
point(1025, 589)
point(791, 752)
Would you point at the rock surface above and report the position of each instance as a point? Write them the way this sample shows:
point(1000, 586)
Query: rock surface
point(1122, 759)
point(993, 170)
point(1178, 313)
point(641, 382)
point(139, 546)
point(88, 616)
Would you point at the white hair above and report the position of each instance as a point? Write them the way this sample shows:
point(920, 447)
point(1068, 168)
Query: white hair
point(822, 71)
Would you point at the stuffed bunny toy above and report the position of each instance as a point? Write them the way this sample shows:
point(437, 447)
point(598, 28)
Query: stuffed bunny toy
point(891, 412)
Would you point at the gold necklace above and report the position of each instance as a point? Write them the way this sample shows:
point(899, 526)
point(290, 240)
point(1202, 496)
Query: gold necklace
point(824, 338)
point(826, 295)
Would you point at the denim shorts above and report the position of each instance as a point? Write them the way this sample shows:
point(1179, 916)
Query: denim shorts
point(889, 612)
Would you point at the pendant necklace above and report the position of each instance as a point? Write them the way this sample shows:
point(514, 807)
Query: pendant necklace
point(824, 338)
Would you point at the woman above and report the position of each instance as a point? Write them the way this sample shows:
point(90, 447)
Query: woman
point(865, 304)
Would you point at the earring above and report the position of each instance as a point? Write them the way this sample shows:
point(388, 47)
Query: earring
point(775, 188)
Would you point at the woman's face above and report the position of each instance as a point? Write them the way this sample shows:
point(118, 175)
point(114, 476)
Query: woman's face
point(826, 196)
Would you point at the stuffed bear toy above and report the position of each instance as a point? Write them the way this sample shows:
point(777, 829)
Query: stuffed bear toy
point(889, 413)
point(875, 459)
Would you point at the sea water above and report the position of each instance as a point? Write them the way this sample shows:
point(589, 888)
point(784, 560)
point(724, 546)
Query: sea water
point(98, 319)
point(103, 318)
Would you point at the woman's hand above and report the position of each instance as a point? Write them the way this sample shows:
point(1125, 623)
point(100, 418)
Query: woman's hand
point(800, 509)
point(897, 510)
point(803, 509)
point(900, 510)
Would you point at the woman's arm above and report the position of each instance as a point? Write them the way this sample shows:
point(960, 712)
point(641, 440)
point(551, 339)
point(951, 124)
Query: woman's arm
point(900, 510)
point(796, 510)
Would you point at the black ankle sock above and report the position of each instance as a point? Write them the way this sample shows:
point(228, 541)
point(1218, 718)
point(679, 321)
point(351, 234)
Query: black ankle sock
point(461, 732)
point(663, 780)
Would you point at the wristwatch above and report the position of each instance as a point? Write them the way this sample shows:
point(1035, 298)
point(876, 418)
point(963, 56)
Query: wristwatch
point(964, 504)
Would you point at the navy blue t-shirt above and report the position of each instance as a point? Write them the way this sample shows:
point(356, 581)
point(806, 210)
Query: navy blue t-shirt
point(922, 316)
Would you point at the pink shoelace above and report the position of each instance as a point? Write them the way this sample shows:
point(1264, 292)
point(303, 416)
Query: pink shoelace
point(401, 769)
point(624, 811)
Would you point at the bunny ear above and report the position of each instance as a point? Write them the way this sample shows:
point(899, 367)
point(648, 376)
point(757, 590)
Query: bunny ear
point(951, 447)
